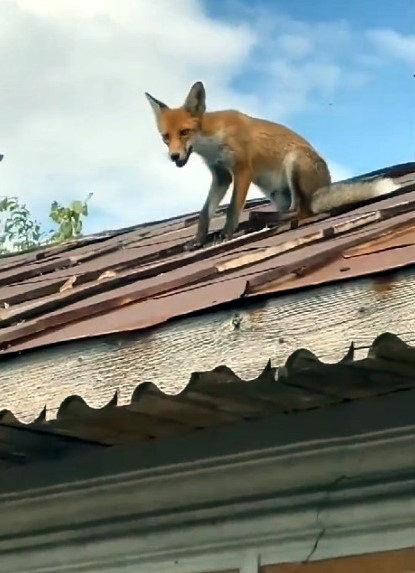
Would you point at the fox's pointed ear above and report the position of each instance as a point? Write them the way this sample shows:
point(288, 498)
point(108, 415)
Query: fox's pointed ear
point(195, 102)
point(156, 105)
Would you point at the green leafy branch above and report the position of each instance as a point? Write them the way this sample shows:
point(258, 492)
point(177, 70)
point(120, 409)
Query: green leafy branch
point(68, 219)
point(19, 231)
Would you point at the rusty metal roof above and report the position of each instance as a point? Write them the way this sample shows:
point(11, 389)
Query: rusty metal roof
point(215, 398)
point(135, 278)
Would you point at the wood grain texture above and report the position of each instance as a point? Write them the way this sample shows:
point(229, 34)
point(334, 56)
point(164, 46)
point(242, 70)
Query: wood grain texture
point(325, 320)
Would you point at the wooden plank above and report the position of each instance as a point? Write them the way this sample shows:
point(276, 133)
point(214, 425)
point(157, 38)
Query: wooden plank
point(243, 338)
point(112, 302)
point(54, 303)
point(334, 230)
point(309, 263)
point(35, 269)
point(391, 239)
point(400, 561)
point(269, 252)
point(87, 289)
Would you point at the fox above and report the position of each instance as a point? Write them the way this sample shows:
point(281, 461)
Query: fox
point(244, 149)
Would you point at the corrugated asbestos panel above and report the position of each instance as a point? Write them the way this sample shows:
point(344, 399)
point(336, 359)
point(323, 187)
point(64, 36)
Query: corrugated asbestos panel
point(213, 398)
point(140, 277)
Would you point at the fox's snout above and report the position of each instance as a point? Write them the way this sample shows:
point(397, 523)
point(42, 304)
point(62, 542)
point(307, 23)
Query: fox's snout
point(180, 157)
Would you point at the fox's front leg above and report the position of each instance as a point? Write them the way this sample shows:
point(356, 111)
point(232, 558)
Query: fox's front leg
point(221, 179)
point(241, 182)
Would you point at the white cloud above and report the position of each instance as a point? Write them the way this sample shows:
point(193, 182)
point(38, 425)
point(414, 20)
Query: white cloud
point(295, 46)
point(74, 115)
point(394, 44)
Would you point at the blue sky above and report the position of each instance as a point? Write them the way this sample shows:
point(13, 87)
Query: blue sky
point(362, 126)
point(75, 119)
point(362, 15)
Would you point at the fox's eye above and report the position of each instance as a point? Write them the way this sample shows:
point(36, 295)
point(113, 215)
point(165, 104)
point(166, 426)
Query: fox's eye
point(165, 137)
point(184, 132)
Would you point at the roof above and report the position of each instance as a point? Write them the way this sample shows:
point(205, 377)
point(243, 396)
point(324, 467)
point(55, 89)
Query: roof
point(136, 278)
point(213, 398)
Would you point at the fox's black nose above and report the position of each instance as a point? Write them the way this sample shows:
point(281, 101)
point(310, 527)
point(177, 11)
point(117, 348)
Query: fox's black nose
point(175, 156)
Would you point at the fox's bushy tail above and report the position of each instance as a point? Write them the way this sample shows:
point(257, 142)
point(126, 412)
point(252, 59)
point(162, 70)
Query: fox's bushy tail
point(343, 194)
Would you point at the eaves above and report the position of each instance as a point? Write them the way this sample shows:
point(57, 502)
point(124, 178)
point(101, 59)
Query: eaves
point(343, 477)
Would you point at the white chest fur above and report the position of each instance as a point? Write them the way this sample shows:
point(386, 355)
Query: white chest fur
point(213, 150)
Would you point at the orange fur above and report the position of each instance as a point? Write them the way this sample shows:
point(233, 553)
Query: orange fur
point(245, 149)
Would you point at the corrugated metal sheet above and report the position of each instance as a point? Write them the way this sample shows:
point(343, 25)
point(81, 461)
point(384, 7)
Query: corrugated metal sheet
point(140, 277)
point(210, 399)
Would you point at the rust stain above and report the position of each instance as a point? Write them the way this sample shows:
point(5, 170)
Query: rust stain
point(383, 286)
point(257, 315)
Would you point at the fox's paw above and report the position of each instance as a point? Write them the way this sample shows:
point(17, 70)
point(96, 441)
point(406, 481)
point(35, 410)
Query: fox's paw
point(219, 238)
point(224, 235)
point(193, 245)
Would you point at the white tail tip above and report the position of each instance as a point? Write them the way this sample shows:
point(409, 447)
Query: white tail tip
point(384, 187)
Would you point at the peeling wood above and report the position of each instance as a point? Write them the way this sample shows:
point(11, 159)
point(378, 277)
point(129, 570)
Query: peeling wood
point(336, 229)
point(89, 285)
point(57, 315)
point(267, 253)
point(111, 303)
point(319, 259)
point(388, 240)
point(68, 285)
